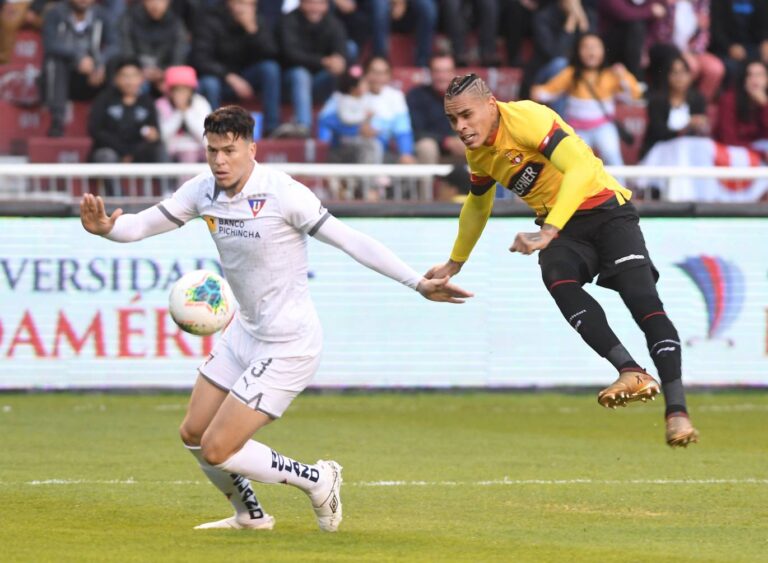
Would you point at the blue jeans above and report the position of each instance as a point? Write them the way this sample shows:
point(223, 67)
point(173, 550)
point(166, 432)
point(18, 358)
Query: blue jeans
point(425, 12)
point(605, 140)
point(307, 88)
point(263, 77)
point(378, 13)
point(420, 19)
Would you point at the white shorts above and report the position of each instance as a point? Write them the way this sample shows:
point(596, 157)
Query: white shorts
point(253, 371)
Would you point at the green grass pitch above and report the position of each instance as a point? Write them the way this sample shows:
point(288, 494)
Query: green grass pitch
point(428, 477)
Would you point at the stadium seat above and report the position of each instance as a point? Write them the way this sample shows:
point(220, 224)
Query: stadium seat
point(635, 118)
point(19, 124)
point(28, 48)
point(401, 49)
point(62, 149)
point(18, 84)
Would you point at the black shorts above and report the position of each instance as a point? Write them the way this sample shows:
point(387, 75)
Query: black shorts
point(600, 243)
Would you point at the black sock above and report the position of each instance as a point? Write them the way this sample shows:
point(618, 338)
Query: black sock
point(587, 317)
point(664, 347)
point(620, 358)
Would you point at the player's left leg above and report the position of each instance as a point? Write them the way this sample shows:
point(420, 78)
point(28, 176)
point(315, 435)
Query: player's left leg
point(627, 268)
point(637, 288)
point(261, 395)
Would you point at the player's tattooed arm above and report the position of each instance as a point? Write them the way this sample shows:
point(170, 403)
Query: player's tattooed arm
point(527, 243)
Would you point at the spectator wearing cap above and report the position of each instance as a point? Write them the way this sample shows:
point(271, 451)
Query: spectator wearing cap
point(123, 121)
point(152, 32)
point(181, 113)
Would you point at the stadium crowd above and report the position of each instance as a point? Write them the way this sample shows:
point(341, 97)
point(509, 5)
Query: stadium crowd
point(152, 69)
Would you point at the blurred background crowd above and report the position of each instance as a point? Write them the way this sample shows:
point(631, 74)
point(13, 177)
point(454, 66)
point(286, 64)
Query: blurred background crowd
point(365, 78)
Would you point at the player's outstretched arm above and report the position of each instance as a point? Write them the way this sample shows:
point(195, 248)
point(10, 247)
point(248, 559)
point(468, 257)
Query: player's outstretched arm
point(472, 220)
point(121, 227)
point(373, 254)
point(93, 216)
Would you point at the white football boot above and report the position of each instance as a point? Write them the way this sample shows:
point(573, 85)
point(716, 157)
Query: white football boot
point(326, 498)
point(267, 522)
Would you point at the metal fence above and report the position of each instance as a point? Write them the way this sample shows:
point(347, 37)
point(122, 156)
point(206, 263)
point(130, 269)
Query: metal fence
point(144, 183)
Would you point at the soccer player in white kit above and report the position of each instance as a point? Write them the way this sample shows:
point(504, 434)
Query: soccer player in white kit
point(260, 220)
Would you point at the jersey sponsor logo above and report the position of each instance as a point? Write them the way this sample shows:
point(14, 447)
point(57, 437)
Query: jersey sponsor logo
point(256, 205)
point(514, 158)
point(522, 182)
point(229, 227)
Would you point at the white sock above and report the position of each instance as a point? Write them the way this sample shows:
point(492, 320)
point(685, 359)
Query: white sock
point(263, 464)
point(235, 487)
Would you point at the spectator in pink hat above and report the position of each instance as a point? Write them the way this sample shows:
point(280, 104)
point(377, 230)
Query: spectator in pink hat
point(181, 113)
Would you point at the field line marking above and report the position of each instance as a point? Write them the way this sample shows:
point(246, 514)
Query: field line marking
point(483, 483)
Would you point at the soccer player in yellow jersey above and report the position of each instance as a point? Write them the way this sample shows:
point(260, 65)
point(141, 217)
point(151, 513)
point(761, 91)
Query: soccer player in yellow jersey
point(589, 228)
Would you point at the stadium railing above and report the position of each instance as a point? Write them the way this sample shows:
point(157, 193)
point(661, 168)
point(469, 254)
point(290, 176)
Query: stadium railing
point(26, 184)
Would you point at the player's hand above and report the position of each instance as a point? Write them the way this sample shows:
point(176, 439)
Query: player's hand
point(438, 289)
point(528, 243)
point(449, 269)
point(93, 217)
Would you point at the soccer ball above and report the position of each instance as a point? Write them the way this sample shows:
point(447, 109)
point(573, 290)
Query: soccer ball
point(201, 302)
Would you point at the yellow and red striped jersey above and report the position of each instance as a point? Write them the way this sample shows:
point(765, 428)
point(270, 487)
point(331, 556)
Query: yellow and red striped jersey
point(519, 159)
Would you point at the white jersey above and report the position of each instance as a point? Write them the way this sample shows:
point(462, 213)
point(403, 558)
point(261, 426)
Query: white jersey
point(261, 234)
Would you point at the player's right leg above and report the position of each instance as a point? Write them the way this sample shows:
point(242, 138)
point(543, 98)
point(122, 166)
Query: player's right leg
point(565, 266)
point(207, 396)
